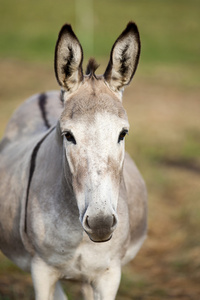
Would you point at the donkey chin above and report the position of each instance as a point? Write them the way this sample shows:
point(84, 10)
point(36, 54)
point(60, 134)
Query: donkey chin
point(100, 228)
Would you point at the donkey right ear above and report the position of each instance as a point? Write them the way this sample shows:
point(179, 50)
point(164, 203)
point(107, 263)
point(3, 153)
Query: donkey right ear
point(68, 60)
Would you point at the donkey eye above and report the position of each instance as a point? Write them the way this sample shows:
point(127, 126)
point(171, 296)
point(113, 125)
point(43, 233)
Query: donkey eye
point(70, 138)
point(122, 135)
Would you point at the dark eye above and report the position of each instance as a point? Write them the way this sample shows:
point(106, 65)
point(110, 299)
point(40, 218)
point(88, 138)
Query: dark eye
point(70, 138)
point(122, 135)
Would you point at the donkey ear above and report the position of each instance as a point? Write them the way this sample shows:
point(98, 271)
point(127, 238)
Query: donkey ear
point(124, 58)
point(68, 59)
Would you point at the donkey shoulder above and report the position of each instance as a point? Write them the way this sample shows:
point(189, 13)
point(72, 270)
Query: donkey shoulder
point(136, 193)
point(36, 115)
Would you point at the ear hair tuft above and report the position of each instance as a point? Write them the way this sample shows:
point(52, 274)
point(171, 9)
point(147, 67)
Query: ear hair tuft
point(91, 67)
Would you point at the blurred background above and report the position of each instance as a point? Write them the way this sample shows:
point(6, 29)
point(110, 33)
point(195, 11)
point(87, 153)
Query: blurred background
point(163, 104)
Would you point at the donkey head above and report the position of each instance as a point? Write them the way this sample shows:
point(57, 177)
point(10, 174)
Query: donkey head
point(94, 124)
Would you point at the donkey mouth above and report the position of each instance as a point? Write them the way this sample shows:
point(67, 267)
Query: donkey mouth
point(99, 239)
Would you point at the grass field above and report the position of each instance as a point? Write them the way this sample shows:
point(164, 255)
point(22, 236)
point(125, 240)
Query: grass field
point(163, 104)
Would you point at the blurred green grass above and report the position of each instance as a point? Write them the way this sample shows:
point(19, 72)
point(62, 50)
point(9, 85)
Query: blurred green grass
point(168, 29)
point(28, 29)
point(163, 104)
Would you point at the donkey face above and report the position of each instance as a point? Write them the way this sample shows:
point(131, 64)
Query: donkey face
point(94, 124)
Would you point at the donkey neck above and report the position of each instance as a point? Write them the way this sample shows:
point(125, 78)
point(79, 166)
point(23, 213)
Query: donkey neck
point(51, 168)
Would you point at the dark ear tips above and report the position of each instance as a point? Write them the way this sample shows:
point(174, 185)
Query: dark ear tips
point(66, 29)
point(131, 26)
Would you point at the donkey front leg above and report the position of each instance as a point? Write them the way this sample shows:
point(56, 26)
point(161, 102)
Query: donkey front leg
point(87, 291)
point(45, 281)
point(59, 293)
point(106, 286)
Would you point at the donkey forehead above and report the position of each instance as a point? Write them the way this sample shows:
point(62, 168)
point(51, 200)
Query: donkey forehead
point(93, 97)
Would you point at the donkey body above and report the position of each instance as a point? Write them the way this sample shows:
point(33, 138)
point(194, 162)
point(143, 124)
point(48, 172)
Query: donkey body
point(72, 202)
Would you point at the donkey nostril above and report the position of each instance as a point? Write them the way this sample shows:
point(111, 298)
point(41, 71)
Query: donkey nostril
point(114, 221)
point(86, 225)
point(86, 222)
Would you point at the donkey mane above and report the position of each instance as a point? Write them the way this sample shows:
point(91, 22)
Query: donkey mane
point(91, 67)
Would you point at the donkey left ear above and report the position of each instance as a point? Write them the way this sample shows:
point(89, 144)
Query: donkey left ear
point(68, 59)
point(124, 58)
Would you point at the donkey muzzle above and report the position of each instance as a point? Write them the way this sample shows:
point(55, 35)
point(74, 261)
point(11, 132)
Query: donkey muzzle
point(99, 228)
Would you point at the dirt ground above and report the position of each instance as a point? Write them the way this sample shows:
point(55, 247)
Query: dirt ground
point(165, 143)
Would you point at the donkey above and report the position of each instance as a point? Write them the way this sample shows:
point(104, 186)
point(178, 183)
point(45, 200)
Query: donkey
point(73, 205)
